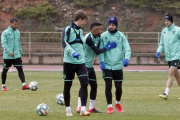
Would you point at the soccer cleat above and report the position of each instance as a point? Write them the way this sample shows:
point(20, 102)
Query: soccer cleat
point(110, 110)
point(94, 110)
point(163, 96)
point(78, 110)
point(69, 113)
point(84, 113)
point(25, 87)
point(4, 88)
point(119, 108)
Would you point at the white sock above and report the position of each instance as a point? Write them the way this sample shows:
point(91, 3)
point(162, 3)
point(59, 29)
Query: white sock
point(3, 85)
point(167, 91)
point(23, 84)
point(83, 108)
point(110, 105)
point(79, 102)
point(117, 102)
point(91, 104)
point(68, 108)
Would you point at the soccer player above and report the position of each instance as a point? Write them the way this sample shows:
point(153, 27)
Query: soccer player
point(112, 62)
point(91, 44)
point(10, 41)
point(170, 41)
point(73, 61)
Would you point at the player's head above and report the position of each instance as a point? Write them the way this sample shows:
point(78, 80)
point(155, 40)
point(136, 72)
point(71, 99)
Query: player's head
point(14, 23)
point(81, 17)
point(168, 20)
point(112, 23)
point(96, 28)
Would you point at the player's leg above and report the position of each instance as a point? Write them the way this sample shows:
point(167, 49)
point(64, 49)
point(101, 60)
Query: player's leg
point(18, 64)
point(177, 76)
point(84, 81)
point(6, 65)
point(107, 75)
point(68, 76)
point(79, 102)
point(93, 92)
point(118, 78)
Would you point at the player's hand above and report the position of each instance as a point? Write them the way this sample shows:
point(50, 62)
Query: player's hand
point(158, 54)
point(110, 45)
point(76, 55)
point(102, 65)
point(126, 62)
point(11, 54)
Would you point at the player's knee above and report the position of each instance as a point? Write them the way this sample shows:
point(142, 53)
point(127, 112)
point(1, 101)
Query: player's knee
point(19, 68)
point(94, 87)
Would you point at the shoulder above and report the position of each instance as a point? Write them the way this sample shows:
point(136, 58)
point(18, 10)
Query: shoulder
point(5, 32)
point(66, 28)
point(104, 33)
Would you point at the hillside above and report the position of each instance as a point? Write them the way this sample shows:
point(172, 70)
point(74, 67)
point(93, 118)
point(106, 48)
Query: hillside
point(131, 17)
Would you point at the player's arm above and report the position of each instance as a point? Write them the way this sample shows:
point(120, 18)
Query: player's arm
point(126, 48)
point(65, 44)
point(93, 47)
point(4, 43)
point(101, 46)
point(161, 45)
point(20, 48)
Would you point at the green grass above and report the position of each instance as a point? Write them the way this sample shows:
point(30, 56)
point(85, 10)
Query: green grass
point(140, 99)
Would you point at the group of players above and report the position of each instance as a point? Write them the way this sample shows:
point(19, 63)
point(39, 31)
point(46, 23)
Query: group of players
point(79, 51)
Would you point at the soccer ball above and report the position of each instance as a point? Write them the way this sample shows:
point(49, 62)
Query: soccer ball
point(33, 86)
point(59, 99)
point(42, 109)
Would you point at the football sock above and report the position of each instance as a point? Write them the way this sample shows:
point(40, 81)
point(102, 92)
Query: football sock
point(91, 104)
point(3, 85)
point(117, 102)
point(110, 105)
point(167, 91)
point(79, 102)
point(23, 84)
point(83, 108)
point(68, 108)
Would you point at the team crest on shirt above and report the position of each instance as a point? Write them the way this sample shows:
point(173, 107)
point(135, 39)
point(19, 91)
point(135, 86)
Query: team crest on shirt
point(106, 38)
point(118, 37)
point(164, 32)
point(173, 32)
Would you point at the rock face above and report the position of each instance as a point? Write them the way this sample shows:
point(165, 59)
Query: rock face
point(130, 18)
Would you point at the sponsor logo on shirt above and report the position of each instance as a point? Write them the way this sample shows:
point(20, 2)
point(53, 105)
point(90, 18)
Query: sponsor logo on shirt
point(106, 38)
point(118, 37)
point(173, 32)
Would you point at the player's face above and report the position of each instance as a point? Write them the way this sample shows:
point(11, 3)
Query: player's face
point(167, 23)
point(99, 31)
point(112, 26)
point(14, 25)
point(82, 22)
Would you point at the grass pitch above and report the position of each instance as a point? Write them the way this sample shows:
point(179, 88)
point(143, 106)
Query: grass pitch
point(140, 98)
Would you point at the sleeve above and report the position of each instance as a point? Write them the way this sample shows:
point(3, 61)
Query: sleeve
point(101, 45)
point(93, 47)
point(126, 48)
point(161, 45)
point(4, 43)
point(65, 44)
point(20, 48)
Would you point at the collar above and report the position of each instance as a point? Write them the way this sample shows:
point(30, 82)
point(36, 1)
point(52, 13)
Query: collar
point(114, 31)
point(171, 27)
point(11, 29)
point(75, 26)
point(93, 35)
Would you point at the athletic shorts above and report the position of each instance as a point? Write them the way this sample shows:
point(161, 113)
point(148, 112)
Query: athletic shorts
point(116, 75)
point(69, 71)
point(7, 63)
point(91, 74)
point(174, 63)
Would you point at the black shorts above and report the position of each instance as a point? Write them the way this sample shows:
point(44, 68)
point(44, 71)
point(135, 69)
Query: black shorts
point(91, 74)
point(7, 63)
point(69, 71)
point(116, 75)
point(174, 63)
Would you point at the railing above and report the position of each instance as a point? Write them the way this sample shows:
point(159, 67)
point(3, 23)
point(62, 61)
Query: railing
point(55, 37)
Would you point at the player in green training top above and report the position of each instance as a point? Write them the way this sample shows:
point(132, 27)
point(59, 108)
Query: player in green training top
point(73, 61)
point(112, 62)
point(91, 44)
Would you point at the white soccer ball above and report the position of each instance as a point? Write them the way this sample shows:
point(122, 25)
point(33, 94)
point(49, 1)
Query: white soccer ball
point(59, 99)
point(33, 86)
point(42, 109)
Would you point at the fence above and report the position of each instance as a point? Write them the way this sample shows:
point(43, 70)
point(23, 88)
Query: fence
point(49, 43)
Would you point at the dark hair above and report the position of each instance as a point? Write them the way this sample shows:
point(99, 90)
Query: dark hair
point(95, 24)
point(13, 19)
point(80, 14)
